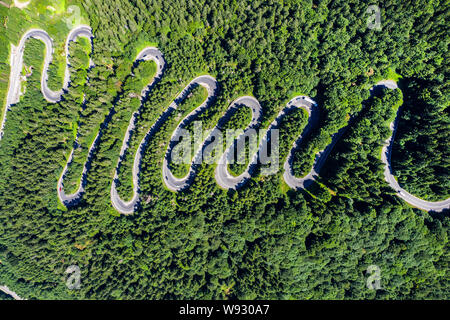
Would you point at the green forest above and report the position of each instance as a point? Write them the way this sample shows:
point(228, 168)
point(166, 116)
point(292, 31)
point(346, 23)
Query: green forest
point(264, 240)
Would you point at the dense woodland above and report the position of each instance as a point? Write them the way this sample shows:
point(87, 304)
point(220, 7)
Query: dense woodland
point(264, 241)
point(422, 151)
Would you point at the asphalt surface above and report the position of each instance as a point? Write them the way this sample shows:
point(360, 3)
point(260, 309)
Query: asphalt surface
point(227, 181)
point(172, 182)
point(128, 207)
point(299, 183)
point(386, 153)
point(13, 97)
point(293, 182)
point(67, 199)
point(16, 61)
point(222, 174)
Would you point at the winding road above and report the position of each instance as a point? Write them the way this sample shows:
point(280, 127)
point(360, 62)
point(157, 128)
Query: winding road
point(222, 175)
point(128, 207)
point(66, 199)
point(386, 153)
point(16, 61)
point(178, 184)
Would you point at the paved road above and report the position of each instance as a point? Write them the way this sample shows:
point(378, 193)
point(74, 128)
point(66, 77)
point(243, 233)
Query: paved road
point(296, 183)
point(67, 199)
point(13, 97)
point(128, 207)
point(386, 153)
point(227, 181)
point(16, 61)
point(172, 182)
point(222, 175)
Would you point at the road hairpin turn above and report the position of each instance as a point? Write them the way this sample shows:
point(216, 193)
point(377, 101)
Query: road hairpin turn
point(222, 174)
